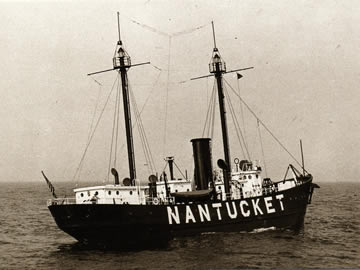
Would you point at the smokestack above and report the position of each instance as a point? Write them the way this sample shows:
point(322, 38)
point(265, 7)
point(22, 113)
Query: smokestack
point(170, 161)
point(202, 162)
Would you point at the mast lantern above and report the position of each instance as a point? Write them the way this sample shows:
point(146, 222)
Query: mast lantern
point(217, 64)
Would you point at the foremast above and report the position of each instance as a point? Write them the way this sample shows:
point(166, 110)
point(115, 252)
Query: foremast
point(122, 62)
point(217, 67)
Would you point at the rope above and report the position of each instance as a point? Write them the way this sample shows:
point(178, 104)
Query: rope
point(95, 109)
point(167, 97)
point(266, 128)
point(117, 122)
point(242, 112)
point(208, 114)
point(262, 148)
point(114, 129)
point(92, 135)
point(237, 127)
point(179, 170)
point(145, 144)
point(213, 114)
point(93, 117)
point(176, 34)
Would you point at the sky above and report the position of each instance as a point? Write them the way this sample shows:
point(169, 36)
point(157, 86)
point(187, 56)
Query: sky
point(304, 84)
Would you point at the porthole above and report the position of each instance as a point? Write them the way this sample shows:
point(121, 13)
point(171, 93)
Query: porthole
point(82, 194)
point(176, 190)
point(244, 176)
point(257, 176)
point(219, 187)
point(187, 190)
point(249, 176)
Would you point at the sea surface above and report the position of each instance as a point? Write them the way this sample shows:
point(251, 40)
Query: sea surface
point(30, 239)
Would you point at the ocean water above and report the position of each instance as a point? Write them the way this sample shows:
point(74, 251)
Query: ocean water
point(30, 239)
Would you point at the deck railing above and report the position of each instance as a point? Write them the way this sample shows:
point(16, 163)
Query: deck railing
point(61, 201)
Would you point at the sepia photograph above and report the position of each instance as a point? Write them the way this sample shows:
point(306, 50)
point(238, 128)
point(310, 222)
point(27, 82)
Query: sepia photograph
point(182, 134)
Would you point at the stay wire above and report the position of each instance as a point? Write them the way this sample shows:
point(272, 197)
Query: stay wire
point(93, 118)
point(167, 97)
point(208, 114)
point(114, 129)
point(142, 133)
point(213, 114)
point(95, 128)
point(237, 127)
point(179, 170)
point(266, 128)
point(242, 114)
point(140, 130)
point(262, 148)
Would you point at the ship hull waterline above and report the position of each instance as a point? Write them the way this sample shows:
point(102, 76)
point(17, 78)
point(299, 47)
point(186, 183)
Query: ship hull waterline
point(127, 225)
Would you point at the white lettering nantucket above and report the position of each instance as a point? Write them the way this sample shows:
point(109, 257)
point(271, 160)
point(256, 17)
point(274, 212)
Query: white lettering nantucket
point(280, 197)
point(189, 215)
point(268, 205)
point(234, 214)
point(204, 213)
point(173, 216)
point(243, 212)
point(217, 206)
point(256, 207)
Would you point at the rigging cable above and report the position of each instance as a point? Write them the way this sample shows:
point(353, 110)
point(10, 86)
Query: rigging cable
point(93, 117)
point(241, 110)
point(114, 128)
point(209, 113)
point(95, 109)
point(179, 170)
point(213, 114)
point(167, 97)
point(262, 123)
point(176, 34)
point(262, 147)
point(117, 122)
point(237, 127)
point(92, 135)
point(143, 138)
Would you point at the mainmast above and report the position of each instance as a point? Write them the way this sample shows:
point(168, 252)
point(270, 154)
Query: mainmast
point(122, 62)
point(217, 67)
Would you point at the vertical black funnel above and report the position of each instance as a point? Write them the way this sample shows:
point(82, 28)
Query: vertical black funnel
point(202, 162)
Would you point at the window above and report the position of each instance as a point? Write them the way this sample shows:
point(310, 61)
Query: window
point(109, 192)
point(130, 192)
point(117, 192)
point(249, 176)
point(82, 194)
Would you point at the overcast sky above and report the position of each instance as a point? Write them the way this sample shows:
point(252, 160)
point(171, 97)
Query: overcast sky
point(305, 84)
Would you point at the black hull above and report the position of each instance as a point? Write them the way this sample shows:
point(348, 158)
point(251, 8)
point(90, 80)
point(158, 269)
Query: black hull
point(133, 225)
